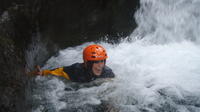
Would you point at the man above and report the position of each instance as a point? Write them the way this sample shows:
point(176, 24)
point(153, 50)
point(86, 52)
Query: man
point(94, 66)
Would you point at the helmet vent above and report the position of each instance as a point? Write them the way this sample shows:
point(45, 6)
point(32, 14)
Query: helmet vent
point(93, 56)
point(94, 53)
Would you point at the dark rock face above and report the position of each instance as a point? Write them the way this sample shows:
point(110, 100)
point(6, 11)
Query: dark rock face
point(87, 20)
point(72, 22)
point(12, 60)
point(59, 22)
point(12, 83)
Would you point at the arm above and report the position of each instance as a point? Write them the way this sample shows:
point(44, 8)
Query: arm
point(57, 72)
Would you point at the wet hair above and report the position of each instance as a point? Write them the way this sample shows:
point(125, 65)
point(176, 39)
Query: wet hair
point(89, 65)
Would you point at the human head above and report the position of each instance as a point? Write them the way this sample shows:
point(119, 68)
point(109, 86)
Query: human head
point(94, 57)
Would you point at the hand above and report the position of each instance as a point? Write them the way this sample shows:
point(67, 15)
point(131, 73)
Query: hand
point(37, 71)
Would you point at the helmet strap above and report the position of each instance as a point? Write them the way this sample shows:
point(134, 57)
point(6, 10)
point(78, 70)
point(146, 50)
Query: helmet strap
point(88, 66)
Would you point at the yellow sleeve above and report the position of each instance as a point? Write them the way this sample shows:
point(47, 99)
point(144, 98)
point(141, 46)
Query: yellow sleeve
point(57, 72)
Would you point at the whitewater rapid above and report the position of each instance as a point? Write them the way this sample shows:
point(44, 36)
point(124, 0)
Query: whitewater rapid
point(157, 71)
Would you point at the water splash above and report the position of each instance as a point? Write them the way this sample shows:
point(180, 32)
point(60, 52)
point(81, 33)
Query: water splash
point(164, 21)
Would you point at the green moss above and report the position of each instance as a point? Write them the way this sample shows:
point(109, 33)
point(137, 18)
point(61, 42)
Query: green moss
point(6, 41)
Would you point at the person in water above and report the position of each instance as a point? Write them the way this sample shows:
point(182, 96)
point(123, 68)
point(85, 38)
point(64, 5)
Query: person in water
point(93, 67)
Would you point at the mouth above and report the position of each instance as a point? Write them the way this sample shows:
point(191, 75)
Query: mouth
point(98, 69)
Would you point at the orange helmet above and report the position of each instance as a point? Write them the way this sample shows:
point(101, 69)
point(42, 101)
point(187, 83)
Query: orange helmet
point(94, 53)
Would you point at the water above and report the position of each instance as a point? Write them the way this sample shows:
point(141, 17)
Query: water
point(158, 71)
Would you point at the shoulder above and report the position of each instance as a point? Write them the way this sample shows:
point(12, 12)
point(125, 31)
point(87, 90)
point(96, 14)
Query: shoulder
point(74, 66)
point(76, 72)
point(107, 68)
point(107, 72)
point(73, 69)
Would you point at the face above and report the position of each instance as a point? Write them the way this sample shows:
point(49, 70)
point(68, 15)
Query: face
point(97, 67)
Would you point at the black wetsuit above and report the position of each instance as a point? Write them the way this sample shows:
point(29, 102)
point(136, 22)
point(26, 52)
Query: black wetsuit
point(78, 73)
